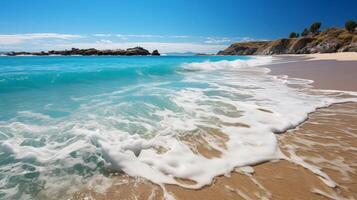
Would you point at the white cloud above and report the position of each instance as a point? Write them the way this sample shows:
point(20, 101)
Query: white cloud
point(213, 40)
point(163, 47)
point(104, 42)
point(126, 37)
point(20, 38)
point(246, 39)
point(123, 37)
point(102, 35)
point(49, 41)
point(180, 36)
point(146, 36)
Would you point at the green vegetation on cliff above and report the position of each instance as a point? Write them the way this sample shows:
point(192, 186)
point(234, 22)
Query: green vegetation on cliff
point(350, 26)
point(311, 41)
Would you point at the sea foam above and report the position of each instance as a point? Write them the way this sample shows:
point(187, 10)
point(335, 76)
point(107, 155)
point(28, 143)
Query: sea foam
point(123, 129)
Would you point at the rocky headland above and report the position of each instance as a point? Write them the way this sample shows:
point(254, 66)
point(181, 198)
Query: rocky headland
point(328, 41)
point(136, 51)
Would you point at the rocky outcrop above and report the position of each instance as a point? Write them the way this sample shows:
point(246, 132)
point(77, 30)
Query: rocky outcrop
point(89, 52)
point(155, 53)
point(137, 51)
point(244, 48)
point(328, 41)
point(328, 46)
point(349, 48)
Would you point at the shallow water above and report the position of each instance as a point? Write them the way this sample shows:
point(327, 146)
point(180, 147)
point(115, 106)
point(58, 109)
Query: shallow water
point(67, 120)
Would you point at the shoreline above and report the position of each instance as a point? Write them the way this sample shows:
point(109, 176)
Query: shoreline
point(327, 71)
point(301, 167)
point(267, 180)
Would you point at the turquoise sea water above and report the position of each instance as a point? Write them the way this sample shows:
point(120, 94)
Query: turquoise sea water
point(45, 100)
point(29, 83)
point(66, 122)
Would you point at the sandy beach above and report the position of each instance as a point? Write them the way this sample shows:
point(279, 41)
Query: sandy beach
point(328, 71)
point(319, 156)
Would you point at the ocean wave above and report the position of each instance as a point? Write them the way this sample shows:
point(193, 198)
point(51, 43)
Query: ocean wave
point(144, 129)
point(228, 65)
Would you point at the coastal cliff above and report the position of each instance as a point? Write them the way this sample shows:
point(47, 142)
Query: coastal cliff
point(90, 52)
point(329, 41)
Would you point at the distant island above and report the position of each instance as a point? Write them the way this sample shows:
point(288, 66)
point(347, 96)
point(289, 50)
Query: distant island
point(136, 51)
point(310, 41)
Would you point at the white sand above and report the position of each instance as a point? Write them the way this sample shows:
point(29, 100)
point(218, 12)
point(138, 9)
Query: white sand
point(340, 56)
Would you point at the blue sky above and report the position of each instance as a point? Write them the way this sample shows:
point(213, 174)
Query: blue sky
point(168, 25)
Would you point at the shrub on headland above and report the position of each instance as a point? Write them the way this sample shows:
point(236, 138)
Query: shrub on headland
point(314, 28)
point(305, 32)
point(293, 35)
point(350, 26)
point(328, 40)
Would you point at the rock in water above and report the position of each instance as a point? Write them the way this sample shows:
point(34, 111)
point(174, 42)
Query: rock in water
point(155, 53)
point(88, 52)
point(137, 51)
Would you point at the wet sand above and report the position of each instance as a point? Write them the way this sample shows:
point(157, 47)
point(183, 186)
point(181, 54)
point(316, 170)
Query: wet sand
point(330, 147)
point(336, 72)
point(320, 154)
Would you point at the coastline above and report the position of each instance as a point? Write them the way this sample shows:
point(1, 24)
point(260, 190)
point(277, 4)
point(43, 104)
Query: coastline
point(335, 71)
point(277, 179)
point(316, 165)
point(178, 100)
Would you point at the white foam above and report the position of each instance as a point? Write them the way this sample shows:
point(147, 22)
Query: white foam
point(238, 92)
point(228, 65)
point(246, 145)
